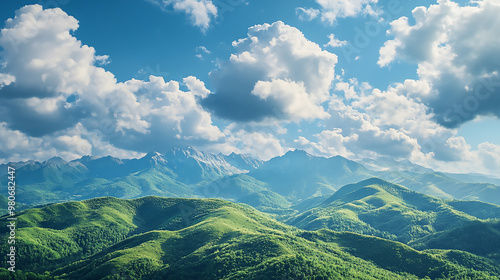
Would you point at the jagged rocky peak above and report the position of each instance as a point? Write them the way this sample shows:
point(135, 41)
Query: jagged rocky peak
point(155, 157)
point(191, 153)
point(242, 161)
point(92, 159)
point(55, 160)
point(298, 152)
point(86, 158)
point(295, 155)
point(189, 150)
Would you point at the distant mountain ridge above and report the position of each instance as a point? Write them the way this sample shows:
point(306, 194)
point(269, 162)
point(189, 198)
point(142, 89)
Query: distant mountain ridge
point(389, 164)
point(299, 175)
point(333, 219)
point(294, 177)
point(243, 162)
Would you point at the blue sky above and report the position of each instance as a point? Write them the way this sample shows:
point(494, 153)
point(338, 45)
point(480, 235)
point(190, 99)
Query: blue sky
point(411, 80)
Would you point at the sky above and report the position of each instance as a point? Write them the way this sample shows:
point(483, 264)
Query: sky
point(416, 80)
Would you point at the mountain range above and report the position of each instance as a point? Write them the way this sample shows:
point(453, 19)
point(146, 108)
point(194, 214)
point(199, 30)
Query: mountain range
point(189, 214)
point(277, 183)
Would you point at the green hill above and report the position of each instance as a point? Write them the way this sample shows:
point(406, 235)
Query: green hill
point(379, 208)
point(173, 238)
point(398, 257)
point(4, 205)
point(479, 237)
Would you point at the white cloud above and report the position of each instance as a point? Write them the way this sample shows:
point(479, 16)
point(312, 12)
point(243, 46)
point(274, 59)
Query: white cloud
point(261, 145)
point(6, 79)
point(330, 143)
point(392, 108)
point(366, 138)
point(489, 156)
point(250, 86)
point(53, 71)
point(196, 87)
point(331, 10)
point(74, 143)
point(368, 122)
point(395, 110)
point(54, 98)
point(201, 52)
point(172, 115)
point(306, 14)
point(102, 59)
point(388, 52)
point(201, 12)
point(456, 48)
point(68, 144)
point(58, 61)
point(13, 142)
point(334, 42)
point(291, 97)
point(485, 159)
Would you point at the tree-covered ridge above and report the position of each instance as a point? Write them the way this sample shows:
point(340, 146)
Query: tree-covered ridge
point(172, 238)
point(379, 208)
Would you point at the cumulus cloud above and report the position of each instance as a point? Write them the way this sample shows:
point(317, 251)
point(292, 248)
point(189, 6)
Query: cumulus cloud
point(456, 48)
point(369, 122)
point(6, 79)
point(489, 156)
point(366, 138)
point(394, 108)
point(354, 131)
point(259, 144)
point(292, 97)
point(13, 142)
point(330, 142)
point(485, 159)
point(331, 10)
point(200, 12)
point(168, 113)
point(47, 65)
point(53, 96)
point(58, 61)
point(56, 99)
point(68, 144)
point(275, 68)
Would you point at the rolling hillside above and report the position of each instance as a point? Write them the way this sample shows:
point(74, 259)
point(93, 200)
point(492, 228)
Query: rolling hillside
point(173, 238)
point(379, 208)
